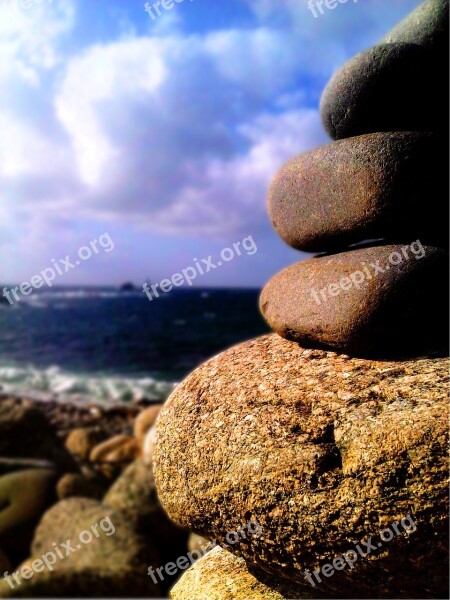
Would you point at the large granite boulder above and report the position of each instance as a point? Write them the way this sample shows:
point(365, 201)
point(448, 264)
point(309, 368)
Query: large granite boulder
point(325, 452)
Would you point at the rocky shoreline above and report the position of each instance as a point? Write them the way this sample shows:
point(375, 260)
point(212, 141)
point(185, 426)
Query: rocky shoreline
point(64, 471)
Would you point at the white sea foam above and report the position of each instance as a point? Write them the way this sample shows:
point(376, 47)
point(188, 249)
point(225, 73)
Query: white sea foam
point(56, 384)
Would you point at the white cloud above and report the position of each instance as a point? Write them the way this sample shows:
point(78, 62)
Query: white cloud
point(170, 132)
point(126, 69)
point(29, 39)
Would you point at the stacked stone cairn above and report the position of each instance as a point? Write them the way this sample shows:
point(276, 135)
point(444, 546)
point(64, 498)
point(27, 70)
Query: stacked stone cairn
point(331, 433)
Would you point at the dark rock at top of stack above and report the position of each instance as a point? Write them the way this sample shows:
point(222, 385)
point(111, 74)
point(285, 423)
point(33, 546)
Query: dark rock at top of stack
point(426, 26)
point(399, 85)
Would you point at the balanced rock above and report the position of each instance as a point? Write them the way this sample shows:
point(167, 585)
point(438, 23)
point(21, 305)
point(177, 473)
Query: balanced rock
point(426, 26)
point(219, 575)
point(373, 301)
point(324, 451)
point(397, 86)
point(106, 557)
point(381, 185)
point(24, 497)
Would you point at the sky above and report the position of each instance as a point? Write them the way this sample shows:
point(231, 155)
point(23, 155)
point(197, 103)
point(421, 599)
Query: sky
point(163, 133)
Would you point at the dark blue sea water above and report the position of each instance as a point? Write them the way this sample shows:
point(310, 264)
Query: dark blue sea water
point(101, 345)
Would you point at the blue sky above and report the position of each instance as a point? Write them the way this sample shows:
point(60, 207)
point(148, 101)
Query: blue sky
point(164, 133)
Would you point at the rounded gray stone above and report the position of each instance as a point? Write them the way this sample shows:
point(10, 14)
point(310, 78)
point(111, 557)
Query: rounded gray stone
point(390, 87)
point(361, 303)
point(427, 26)
point(381, 185)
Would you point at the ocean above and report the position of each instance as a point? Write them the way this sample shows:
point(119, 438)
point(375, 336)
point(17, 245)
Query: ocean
point(104, 346)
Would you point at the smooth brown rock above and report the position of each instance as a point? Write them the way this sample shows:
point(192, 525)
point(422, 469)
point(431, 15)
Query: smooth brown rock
point(323, 451)
point(148, 445)
point(222, 576)
point(24, 498)
point(118, 449)
point(382, 185)
point(113, 564)
point(344, 302)
point(81, 441)
point(134, 495)
point(145, 422)
point(25, 433)
point(5, 565)
point(76, 485)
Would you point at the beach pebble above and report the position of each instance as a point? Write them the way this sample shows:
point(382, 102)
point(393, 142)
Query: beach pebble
point(81, 441)
point(5, 565)
point(149, 445)
point(385, 301)
point(25, 433)
point(391, 87)
point(118, 449)
point(112, 564)
point(24, 497)
point(369, 187)
point(336, 449)
point(145, 421)
point(76, 485)
point(134, 494)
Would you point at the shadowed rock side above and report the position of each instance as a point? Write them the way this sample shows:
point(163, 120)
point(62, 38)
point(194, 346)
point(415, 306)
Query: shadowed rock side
point(323, 451)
